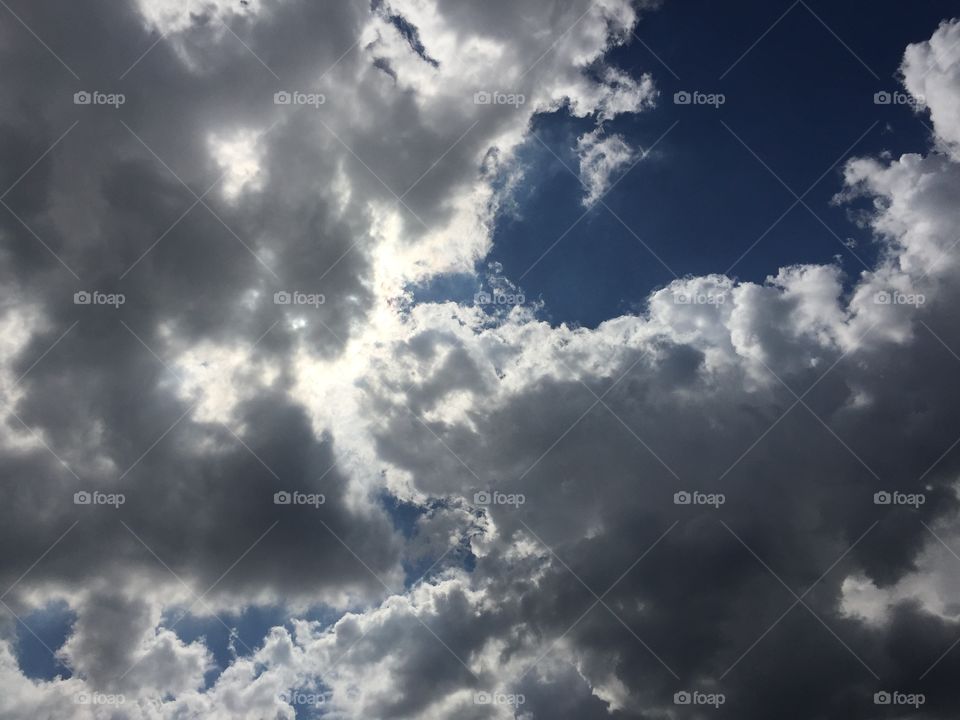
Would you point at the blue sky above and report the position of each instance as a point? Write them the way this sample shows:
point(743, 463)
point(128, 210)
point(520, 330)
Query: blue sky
point(48, 629)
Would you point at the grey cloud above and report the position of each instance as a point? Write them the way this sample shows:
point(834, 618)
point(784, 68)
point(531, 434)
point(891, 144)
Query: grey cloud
point(454, 403)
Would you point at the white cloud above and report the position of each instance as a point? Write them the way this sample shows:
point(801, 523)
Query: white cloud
point(931, 73)
point(601, 156)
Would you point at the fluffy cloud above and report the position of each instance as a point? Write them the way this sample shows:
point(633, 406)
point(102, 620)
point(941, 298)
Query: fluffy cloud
point(540, 462)
point(931, 73)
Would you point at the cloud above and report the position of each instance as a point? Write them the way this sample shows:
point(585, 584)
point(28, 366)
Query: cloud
point(801, 398)
point(931, 73)
point(600, 157)
point(541, 463)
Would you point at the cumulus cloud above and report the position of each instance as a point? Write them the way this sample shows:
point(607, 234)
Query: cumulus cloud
point(266, 344)
point(931, 73)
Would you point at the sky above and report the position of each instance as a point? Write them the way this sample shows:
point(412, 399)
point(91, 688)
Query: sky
point(427, 359)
